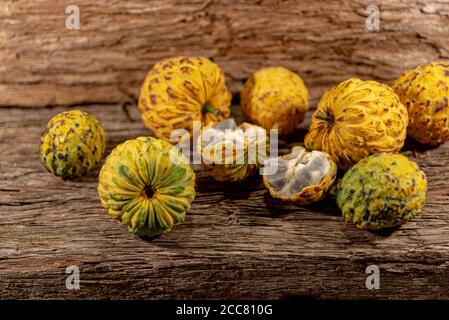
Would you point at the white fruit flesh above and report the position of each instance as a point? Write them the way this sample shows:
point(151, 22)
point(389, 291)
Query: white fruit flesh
point(298, 170)
point(226, 135)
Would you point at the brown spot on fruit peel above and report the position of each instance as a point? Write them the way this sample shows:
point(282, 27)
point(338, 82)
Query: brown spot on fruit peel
point(171, 93)
point(185, 70)
point(190, 87)
point(439, 106)
point(186, 61)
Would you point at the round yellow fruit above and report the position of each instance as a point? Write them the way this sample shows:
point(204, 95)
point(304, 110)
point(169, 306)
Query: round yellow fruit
point(355, 119)
point(301, 177)
point(425, 93)
point(178, 91)
point(275, 98)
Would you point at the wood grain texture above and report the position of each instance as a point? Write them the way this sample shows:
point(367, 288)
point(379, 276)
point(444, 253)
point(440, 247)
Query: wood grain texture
point(44, 64)
point(237, 242)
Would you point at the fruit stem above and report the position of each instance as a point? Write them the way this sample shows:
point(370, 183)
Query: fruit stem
point(210, 108)
point(325, 116)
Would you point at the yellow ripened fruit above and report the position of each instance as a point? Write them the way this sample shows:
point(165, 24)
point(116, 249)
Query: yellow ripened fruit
point(425, 93)
point(275, 98)
point(180, 90)
point(147, 185)
point(72, 144)
point(355, 119)
point(301, 177)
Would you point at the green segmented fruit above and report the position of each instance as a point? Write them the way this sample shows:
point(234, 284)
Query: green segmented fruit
point(147, 185)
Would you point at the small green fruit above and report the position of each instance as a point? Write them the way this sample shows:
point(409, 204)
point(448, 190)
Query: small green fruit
point(72, 144)
point(382, 191)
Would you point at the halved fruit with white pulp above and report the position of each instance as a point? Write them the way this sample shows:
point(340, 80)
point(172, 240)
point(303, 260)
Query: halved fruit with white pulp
point(230, 152)
point(301, 176)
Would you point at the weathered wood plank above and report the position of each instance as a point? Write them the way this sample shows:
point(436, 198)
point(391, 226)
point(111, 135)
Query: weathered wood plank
point(44, 64)
point(236, 242)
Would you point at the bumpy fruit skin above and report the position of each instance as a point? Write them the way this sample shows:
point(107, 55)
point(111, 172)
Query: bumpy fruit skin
point(147, 185)
point(72, 144)
point(311, 193)
point(178, 91)
point(382, 191)
point(355, 119)
point(229, 167)
point(425, 93)
point(275, 98)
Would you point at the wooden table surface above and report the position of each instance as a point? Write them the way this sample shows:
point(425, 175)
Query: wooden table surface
point(236, 242)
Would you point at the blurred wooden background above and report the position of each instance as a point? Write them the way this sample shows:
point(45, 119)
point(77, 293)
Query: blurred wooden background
point(237, 242)
point(44, 64)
